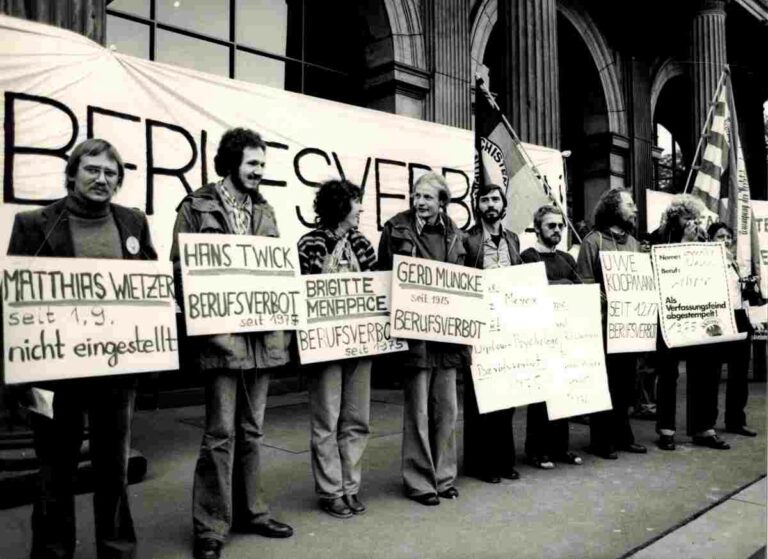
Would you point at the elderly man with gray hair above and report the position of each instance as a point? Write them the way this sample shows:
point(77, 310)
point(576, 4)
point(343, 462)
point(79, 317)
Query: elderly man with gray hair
point(430, 410)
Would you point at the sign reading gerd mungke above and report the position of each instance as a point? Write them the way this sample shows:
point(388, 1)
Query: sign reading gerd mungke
point(695, 306)
point(632, 307)
point(239, 283)
point(437, 301)
point(78, 317)
point(347, 316)
point(509, 366)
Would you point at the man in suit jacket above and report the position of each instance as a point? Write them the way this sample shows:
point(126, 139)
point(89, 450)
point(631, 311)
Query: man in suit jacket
point(85, 224)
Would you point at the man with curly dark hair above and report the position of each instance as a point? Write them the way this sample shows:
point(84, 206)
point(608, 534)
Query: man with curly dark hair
point(227, 490)
point(339, 391)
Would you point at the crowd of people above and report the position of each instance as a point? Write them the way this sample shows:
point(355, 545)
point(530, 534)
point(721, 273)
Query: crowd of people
point(227, 491)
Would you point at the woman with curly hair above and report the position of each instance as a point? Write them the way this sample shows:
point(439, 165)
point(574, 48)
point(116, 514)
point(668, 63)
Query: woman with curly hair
point(339, 392)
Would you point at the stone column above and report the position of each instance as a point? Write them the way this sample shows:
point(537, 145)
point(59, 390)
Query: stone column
point(446, 30)
point(530, 97)
point(708, 57)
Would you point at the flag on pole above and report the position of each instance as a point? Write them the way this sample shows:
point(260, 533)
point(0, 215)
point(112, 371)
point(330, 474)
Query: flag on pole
point(721, 181)
point(499, 160)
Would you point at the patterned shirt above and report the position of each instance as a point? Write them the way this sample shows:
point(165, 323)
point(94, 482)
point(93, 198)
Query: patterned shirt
point(319, 243)
point(239, 212)
point(494, 256)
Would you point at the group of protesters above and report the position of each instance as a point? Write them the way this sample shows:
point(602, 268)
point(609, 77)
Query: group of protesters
point(227, 487)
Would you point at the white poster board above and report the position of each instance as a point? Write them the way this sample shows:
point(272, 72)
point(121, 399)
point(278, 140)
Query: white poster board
point(437, 301)
point(579, 379)
point(760, 215)
point(82, 317)
point(694, 306)
point(347, 316)
point(239, 283)
point(632, 301)
point(509, 365)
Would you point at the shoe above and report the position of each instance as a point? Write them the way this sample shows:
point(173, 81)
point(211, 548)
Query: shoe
point(426, 499)
point(607, 453)
point(354, 504)
point(269, 529)
point(207, 548)
point(711, 441)
point(744, 431)
point(542, 462)
point(487, 478)
point(569, 458)
point(634, 448)
point(336, 507)
point(450, 493)
point(511, 473)
point(666, 442)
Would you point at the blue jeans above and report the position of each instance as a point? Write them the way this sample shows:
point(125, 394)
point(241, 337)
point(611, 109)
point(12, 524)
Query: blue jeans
point(227, 486)
point(109, 405)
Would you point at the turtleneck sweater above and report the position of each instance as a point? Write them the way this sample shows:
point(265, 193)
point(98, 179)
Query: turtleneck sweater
point(93, 229)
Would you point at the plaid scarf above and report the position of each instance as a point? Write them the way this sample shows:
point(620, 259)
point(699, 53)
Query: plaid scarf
point(240, 212)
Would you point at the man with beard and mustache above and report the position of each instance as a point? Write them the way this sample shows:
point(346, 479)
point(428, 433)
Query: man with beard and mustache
point(546, 442)
point(227, 489)
point(489, 444)
point(615, 219)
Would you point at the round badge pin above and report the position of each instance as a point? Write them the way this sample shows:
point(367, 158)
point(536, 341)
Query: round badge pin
point(132, 244)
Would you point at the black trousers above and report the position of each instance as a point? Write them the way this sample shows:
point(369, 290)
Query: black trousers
point(737, 388)
point(489, 442)
point(611, 429)
point(542, 436)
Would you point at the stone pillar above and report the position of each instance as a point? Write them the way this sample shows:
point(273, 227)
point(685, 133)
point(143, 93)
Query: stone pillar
point(641, 134)
point(708, 57)
point(530, 97)
point(446, 30)
point(87, 17)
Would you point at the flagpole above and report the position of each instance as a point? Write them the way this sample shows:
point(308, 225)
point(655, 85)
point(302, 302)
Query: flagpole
point(704, 130)
point(480, 82)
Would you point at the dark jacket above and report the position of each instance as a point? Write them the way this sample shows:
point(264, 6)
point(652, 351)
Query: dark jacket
point(400, 237)
point(203, 212)
point(473, 244)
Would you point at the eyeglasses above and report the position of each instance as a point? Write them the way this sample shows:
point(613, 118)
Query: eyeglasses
point(553, 226)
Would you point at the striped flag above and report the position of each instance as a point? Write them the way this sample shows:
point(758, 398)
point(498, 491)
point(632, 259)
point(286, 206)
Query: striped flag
point(721, 181)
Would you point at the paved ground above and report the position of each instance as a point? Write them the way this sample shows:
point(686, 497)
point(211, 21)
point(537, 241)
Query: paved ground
point(683, 504)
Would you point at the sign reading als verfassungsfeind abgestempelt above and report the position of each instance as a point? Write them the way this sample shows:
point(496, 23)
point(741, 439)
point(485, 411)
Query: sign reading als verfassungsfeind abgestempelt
point(78, 317)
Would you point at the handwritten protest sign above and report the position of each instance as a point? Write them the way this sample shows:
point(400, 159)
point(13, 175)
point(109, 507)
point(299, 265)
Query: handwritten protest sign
point(632, 301)
point(694, 306)
point(760, 217)
point(509, 366)
point(437, 301)
point(347, 316)
point(579, 381)
point(239, 283)
point(78, 317)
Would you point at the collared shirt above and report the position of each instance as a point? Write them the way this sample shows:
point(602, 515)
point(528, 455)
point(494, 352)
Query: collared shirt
point(495, 256)
point(420, 224)
point(239, 212)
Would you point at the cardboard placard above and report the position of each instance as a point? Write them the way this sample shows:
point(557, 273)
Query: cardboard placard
point(239, 283)
point(509, 365)
point(579, 379)
point(347, 316)
point(632, 309)
point(83, 317)
point(437, 301)
point(694, 306)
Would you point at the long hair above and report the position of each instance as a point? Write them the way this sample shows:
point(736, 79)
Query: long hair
point(682, 205)
point(230, 152)
point(333, 202)
point(606, 213)
point(92, 148)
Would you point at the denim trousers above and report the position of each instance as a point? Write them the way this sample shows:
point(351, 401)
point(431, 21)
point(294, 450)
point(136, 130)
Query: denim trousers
point(429, 430)
point(227, 486)
point(108, 404)
point(340, 405)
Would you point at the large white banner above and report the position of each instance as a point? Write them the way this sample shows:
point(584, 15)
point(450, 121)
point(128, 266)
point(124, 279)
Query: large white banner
point(437, 301)
point(509, 363)
point(579, 380)
point(694, 306)
point(347, 316)
point(239, 283)
point(58, 88)
point(78, 317)
point(632, 301)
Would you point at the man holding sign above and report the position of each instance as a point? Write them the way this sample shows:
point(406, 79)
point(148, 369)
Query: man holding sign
point(430, 411)
point(85, 224)
point(227, 487)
